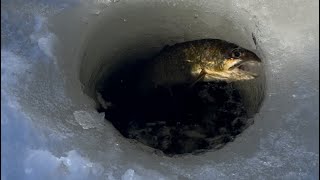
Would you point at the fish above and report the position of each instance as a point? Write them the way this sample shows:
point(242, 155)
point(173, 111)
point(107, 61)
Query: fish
point(204, 60)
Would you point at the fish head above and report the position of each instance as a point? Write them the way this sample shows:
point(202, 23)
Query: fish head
point(230, 64)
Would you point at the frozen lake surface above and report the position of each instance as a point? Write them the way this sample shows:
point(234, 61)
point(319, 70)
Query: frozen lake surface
point(51, 54)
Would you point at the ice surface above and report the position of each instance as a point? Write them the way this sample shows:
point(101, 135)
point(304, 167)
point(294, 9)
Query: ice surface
point(89, 120)
point(48, 124)
point(70, 166)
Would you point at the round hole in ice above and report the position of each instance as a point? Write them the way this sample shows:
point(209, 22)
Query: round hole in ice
point(114, 52)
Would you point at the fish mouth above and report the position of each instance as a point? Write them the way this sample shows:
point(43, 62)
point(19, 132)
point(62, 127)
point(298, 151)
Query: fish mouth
point(235, 70)
point(246, 67)
point(243, 64)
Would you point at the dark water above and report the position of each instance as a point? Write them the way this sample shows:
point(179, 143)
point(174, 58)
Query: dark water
point(176, 120)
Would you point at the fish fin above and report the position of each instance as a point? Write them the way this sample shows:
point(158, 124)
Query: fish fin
point(188, 60)
point(199, 78)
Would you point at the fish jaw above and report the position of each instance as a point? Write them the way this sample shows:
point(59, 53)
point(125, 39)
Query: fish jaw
point(230, 72)
point(229, 76)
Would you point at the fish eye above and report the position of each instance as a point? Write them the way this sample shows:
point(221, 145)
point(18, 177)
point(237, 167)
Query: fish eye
point(236, 53)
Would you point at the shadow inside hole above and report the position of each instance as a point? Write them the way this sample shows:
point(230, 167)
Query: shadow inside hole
point(185, 120)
